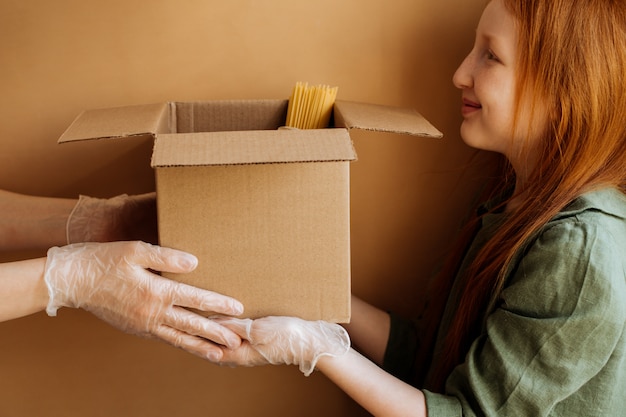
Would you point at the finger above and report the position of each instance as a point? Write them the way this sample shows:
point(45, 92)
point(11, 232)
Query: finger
point(245, 355)
point(241, 327)
point(192, 297)
point(194, 324)
point(171, 260)
point(192, 344)
point(163, 259)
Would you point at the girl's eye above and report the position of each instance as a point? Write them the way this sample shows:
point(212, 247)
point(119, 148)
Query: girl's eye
point(491, 56)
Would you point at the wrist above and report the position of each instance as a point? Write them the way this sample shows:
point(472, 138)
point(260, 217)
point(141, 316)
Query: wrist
point(331, 341)
point(59, 277)
point(369, 329)
point(22, 288)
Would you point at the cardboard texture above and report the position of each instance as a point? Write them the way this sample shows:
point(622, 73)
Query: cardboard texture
point(265, 209)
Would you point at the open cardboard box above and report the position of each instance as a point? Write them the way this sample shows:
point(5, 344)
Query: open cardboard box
point(266, 210)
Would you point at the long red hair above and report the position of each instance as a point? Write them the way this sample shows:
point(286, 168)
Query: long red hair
point(572, 58)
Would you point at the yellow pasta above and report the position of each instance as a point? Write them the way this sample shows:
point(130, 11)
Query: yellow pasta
point(310, 107)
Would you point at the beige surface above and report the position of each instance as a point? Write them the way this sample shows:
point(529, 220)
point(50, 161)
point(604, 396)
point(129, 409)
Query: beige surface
point(408, 194)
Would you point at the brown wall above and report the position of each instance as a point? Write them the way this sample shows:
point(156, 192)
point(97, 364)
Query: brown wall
point(408, 194)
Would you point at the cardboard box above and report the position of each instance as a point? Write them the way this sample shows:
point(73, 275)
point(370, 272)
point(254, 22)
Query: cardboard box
point(266, 210)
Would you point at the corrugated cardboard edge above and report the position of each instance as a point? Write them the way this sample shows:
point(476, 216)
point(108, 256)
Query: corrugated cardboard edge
point(379, 118)
point(118, 122)
point(157, 118)
point(252, 147)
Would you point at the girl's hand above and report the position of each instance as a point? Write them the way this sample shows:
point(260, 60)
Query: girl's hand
point(284, 340)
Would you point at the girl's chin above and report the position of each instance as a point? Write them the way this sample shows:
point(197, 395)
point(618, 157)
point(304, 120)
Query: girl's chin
point(477, 139)
point(477, 143)
point(471, 139)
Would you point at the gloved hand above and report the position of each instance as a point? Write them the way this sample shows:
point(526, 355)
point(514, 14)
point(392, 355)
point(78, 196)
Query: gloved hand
point(112, 281)
point(122, 217)
point(284, 340)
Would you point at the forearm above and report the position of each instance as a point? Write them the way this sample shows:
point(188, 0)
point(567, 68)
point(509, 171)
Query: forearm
point(29, 222)
point(369, 330)
point(374, 389)
point(22, 288)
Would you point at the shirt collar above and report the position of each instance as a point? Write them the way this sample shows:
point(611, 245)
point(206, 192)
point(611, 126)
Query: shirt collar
point(608, 200)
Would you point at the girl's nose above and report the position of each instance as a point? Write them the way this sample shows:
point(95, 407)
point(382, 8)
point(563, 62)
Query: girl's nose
point(463, 76)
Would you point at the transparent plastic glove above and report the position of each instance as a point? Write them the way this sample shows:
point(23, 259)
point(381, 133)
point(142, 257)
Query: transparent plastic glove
point(112, 281)
point(122, 217)
point(284, 340)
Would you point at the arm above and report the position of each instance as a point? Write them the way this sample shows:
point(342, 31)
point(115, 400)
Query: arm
point(325, 346)
point(571, 333)
point(114, 281)
point(32, 222)
point(22, 288)
point(369, 330)
point(374, 389)
point(28, 222)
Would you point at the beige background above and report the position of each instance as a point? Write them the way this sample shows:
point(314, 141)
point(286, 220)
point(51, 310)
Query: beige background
point(408, 194)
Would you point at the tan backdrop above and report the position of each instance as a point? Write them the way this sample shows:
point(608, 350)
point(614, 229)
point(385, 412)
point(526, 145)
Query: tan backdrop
point(408, 194)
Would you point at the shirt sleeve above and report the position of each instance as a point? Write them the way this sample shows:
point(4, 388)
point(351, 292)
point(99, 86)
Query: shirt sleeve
point(402, 345)
point(559, 319)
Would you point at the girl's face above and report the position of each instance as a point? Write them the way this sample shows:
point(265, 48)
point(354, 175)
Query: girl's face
point(487, 78)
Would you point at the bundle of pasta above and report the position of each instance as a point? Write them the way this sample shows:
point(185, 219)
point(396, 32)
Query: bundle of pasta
point(310, 107)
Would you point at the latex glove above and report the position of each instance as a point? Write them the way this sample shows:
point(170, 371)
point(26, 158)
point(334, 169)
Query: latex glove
point(284, 340)
point(112, 281)
point(122, 217)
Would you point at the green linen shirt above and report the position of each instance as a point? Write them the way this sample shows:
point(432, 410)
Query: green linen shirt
point(555, 345)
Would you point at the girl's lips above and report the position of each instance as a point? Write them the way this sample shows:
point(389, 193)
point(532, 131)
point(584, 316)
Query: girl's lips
point(469, 107)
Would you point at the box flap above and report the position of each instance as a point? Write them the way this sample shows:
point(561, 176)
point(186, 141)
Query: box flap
point(118, 122)
point(379, 118)
point(252, 147)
